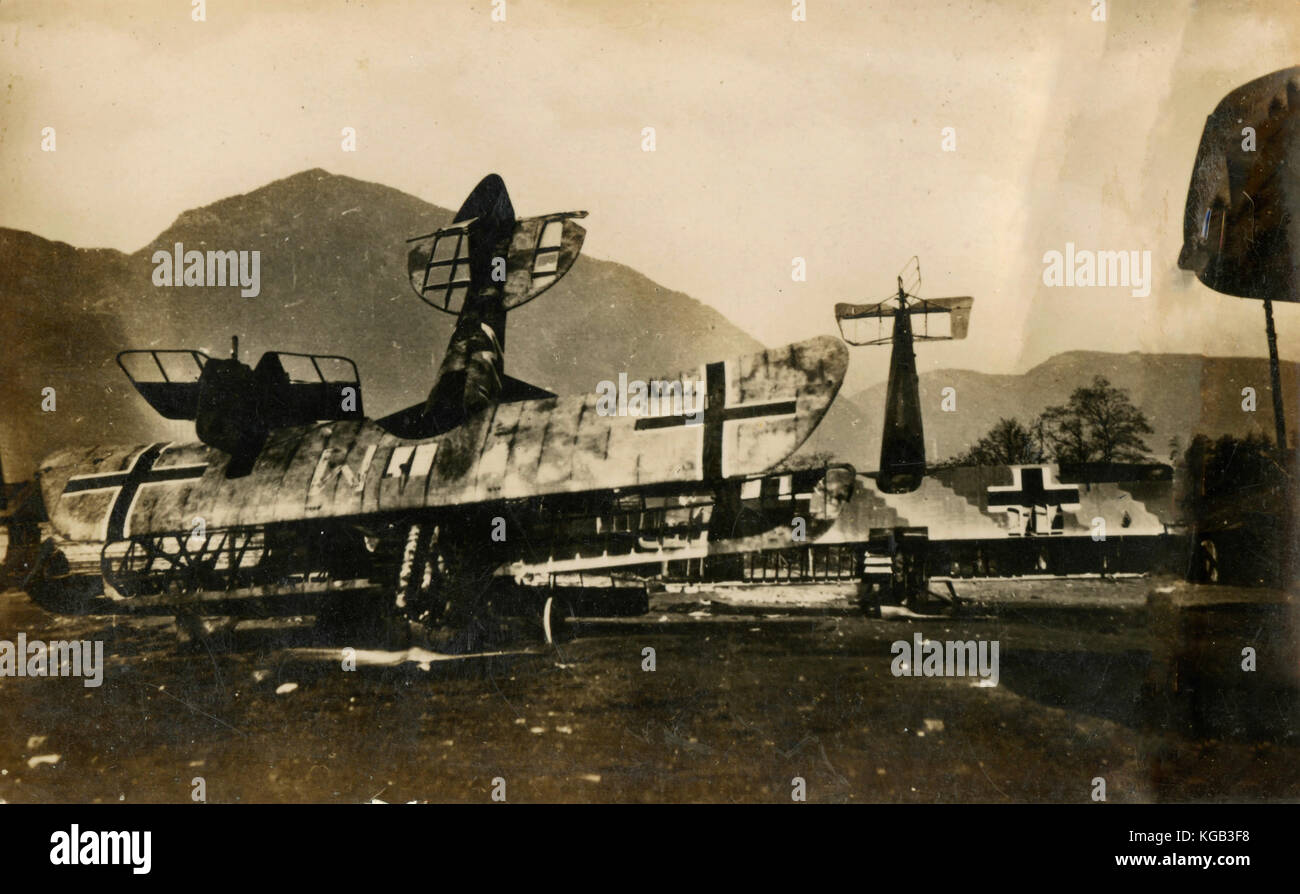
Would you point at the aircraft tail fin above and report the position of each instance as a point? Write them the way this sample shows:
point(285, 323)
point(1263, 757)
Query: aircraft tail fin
point(486, 249)
point(486, 263)
point(902, 442)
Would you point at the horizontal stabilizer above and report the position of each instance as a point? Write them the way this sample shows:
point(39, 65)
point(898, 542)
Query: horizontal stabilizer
point(958, 310)
point(513, 389)
point(863, 324)
point(541, 250)
point(438, 267)
point(865, 311)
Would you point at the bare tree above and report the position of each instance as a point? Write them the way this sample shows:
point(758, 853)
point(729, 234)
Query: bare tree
point(1098, 424)
point(1009, 442)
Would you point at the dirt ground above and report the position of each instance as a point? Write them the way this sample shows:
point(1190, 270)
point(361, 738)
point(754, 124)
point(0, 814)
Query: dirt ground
point(751, 691)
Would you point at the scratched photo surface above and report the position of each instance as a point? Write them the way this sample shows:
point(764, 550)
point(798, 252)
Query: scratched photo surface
point(539, 401)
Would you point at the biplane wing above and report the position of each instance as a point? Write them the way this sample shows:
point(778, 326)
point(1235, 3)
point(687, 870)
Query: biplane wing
point(756, 410)
point(958, 310)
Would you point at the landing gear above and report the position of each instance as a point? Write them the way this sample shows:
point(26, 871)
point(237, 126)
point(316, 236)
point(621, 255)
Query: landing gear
point(423, 591)
point(440, 589)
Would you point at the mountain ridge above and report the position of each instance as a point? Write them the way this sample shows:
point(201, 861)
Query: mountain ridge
point(334, 281)
point(1181, 394)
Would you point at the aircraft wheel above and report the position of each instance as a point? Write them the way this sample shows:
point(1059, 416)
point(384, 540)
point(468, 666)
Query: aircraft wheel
point(555, 620)
point(547, 611)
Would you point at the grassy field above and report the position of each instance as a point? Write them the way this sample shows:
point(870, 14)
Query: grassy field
point(743, 700)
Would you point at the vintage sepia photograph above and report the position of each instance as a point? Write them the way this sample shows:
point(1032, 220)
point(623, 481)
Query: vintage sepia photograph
point(571, 401)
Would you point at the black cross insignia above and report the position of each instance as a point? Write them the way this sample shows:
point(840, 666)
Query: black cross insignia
point(716, 414)
point(129, 483)
point(1033, 492)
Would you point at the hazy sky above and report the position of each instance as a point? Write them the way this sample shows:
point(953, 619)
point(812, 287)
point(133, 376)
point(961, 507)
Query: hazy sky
point(775, 139)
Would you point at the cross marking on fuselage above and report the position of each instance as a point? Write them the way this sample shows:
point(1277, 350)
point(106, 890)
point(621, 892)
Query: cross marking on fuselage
point(1030, 489)
point(716, 414)
point(128, 484)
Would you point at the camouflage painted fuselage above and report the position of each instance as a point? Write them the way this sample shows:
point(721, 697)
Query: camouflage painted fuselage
point(765, 405)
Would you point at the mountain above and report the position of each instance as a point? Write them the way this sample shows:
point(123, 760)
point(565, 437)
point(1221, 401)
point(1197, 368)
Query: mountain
point(57, 336)
point(333, 280)
point(1181, 394)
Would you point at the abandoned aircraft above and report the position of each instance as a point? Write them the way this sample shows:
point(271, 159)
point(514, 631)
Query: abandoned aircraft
point(892, 530)
point(291, 500)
